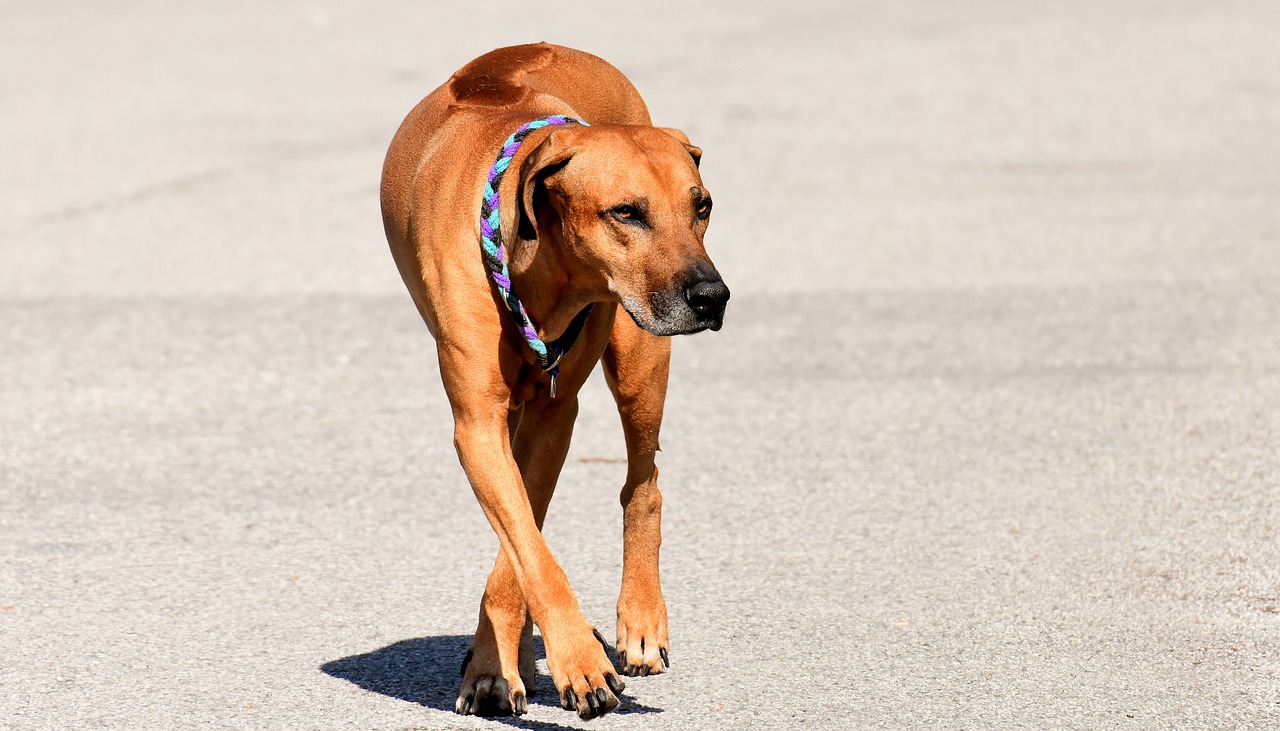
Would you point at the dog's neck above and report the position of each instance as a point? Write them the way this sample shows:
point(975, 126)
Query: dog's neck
point(528, 273)
point(546, 289)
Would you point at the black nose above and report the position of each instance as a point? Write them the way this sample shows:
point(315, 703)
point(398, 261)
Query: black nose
point(707, 298)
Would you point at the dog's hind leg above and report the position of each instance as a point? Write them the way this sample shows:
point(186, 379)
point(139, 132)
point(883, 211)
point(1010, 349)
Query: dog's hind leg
point(504, 636)
point(503, 641)
point(636, 365)
point(496, 677)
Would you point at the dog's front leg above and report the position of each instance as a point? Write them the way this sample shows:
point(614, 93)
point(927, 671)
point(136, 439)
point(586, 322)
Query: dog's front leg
point(636, 365)
point(581, 670)
point(500, 664)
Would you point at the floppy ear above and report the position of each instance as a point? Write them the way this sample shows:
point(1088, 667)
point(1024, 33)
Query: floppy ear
point(682, 138)
point(546, 159)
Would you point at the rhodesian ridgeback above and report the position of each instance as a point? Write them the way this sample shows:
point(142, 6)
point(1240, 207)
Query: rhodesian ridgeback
point(591, 250)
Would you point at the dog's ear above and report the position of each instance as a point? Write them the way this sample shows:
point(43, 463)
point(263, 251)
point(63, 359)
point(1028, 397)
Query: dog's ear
point(682, 138)
point(546, 159)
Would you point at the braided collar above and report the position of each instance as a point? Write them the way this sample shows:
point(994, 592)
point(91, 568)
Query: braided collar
point(495, 255)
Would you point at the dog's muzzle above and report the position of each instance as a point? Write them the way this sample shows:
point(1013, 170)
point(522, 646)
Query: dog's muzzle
point(695, 303)
point(707, 298)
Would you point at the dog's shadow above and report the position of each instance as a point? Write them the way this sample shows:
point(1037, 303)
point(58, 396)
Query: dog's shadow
point(425, 671)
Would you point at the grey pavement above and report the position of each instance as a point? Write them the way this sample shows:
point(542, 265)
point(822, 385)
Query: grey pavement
point(991, 437)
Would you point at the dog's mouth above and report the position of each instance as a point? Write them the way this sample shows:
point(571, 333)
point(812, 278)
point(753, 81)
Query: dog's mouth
point(677, 312)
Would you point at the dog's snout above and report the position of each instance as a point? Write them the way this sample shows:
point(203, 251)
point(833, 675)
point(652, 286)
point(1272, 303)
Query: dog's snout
point(707, 298)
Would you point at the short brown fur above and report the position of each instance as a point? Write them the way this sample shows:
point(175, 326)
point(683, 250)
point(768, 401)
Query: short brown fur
point(511, 436)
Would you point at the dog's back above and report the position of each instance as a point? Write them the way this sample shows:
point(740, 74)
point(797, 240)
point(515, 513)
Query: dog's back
point(517, 76)
point(459, 126)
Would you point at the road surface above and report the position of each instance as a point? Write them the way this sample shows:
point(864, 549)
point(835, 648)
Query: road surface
point(990, 439)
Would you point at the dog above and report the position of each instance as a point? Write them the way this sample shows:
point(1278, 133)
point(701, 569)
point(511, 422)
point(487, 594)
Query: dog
point(591, 251)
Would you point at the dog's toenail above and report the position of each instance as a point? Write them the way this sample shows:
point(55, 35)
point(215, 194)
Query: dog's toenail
point(615, 683)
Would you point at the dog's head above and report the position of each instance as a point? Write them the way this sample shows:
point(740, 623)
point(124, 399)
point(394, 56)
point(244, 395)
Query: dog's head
point(625, 210)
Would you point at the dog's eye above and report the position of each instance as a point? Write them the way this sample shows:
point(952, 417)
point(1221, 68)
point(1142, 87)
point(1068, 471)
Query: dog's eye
point(627, 214)
point(704, 208)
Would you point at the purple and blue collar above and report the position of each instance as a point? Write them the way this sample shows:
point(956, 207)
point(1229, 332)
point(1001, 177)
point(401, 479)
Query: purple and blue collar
point(495, 255)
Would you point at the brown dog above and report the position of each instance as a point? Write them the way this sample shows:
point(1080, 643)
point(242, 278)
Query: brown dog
point(610, 215)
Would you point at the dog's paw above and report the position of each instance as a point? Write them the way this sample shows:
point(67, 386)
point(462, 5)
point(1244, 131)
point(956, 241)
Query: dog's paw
point(642, 637)
point(490, 696)
point(584, 675)
point(486, 692)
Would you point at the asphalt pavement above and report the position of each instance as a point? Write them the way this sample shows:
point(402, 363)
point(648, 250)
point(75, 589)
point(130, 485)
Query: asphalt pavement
point(990, 438)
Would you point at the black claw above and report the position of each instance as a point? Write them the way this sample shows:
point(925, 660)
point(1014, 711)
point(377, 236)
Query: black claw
point(615, 683)
point(666, 659)
point(593, 703)
point(519, 706)
point(462, 671)
point(569, 701)
point(602, 695)
point(488, 706)
point(644, 670)
point(601, 639)
point(622, 659)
